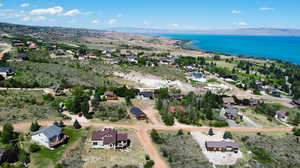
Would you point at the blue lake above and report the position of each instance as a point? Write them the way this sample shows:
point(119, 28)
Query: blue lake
point(276, 47)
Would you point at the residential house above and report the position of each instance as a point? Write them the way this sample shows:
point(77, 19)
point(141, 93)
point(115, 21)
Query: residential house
point(145, 95)
point(132, 59)
point(199, 77)
point(5, 72)
point(110, 95)
point(296, 102)
point(54, 90)
point(50, 137)
point(228, 101)
point(17, 43)
point(139, 114)
point(109, 138)
point(176, 96)
point(22, 58)
point(231, 113)
point(174, 109)
point(255, 102)
point(59, 52)
point(221, 146)
point(33, 46)
point(282, 115)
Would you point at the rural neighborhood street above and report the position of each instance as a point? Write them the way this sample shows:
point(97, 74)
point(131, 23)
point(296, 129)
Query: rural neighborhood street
point(145, 139)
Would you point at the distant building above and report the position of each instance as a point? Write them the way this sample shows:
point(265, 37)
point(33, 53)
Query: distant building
point(132, 59)
point(199, 77)
point(110, 95)
point(22, 58)
point(255, 102)
point(232, 113)
point(33, 46)
point(139, 114)
point(17, 43)
point(145, 95)
point(5, 72)
point(54, 90)
point(282, 115)
point(228, 101)
point(50, 137)
point(176, 96)
point(222, 146)
point(109, 138)
point(173, 109)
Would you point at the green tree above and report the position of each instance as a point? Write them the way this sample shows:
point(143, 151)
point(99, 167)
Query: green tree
point(34, 126)
point(227, 135)
point(8, 133)
point(76, 125)
point(156, 137)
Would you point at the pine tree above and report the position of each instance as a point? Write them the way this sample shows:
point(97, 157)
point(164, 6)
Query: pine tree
point(227, 135)
point(61, 124)
point(211, 132)
point(76, 125)
point(55, 123)
point(34, 126)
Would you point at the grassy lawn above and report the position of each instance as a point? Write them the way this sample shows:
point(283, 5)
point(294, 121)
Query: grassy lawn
point(181, 151)
point(134, 155)
point(46, 158)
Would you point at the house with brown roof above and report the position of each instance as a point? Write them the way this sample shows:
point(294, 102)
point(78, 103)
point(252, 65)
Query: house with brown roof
point(110, 95)
point(228, 101)
point(221, 146)
point(173, 109)
point(109, 138)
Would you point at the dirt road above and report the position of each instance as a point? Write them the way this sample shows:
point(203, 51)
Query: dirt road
point(6, 50)
point(145, 140)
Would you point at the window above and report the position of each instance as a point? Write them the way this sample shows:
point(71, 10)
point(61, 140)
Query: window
point(95, 143)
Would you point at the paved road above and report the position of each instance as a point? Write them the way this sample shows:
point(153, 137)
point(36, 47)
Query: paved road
point(145, 139)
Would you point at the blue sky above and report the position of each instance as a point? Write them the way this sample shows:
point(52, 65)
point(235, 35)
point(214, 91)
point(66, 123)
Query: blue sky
point(162, 14)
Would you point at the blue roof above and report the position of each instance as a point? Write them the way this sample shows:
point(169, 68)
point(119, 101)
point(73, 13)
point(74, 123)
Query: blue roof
point(50, 132)
point(136, 111)
point(5, 69)
point(146, 94)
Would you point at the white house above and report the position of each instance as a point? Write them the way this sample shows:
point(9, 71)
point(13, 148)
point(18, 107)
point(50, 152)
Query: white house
point(145, 95)
point(109, 138)
point(49, 137)
point(196, 76)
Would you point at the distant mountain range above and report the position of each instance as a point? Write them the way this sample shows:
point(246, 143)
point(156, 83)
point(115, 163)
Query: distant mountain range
point(245, 31)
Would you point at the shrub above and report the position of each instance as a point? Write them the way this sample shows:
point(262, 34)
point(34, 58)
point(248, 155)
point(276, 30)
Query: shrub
point(156, 137)
point(34, 148)
point(149, 164)
point(180, 132)
point(34, 126)
point(227, 135)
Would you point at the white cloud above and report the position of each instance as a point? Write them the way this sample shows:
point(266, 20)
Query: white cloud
point(50, 11)
point(174, 25)
point(112, 21)
point(241, 23)
point(120, 15)
point(235, 11)
point(72, 12)
point(147, 23)
point(95, 22)
point(24, 5)
point(34, 18)
point(266, 9)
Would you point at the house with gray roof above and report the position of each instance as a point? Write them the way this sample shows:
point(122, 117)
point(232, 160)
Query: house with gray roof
point(232, 113)
point(5, 72)
point(49, 137)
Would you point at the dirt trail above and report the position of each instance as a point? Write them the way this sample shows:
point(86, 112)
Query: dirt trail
point(6, 50)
